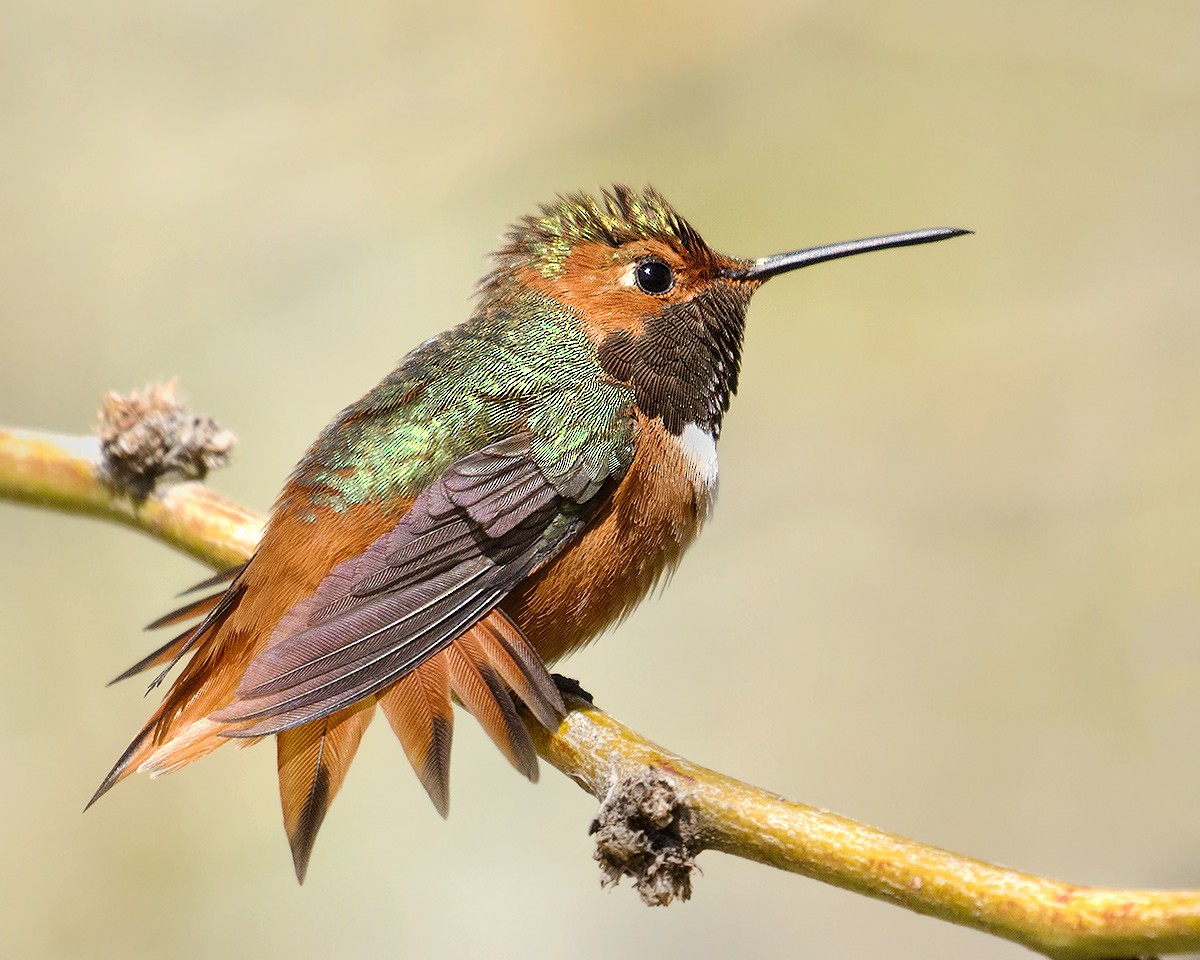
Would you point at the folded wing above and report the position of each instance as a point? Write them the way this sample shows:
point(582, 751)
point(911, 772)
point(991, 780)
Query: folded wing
point(467, 541)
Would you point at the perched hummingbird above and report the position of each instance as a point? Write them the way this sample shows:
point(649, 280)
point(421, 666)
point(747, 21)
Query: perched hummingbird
point(515, 486)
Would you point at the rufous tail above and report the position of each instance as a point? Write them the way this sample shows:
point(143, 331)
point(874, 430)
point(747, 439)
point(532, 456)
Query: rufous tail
point(490, 668)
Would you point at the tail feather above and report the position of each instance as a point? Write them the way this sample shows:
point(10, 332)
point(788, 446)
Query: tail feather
point(189, 611)
point(313, 761)
point(521, 668)
point(481, 691)
point(180, 731)
point(188, 742)
point(418, 708)
point(228, 575)
point(174, 648)
point(489, 668)
point(210, 627)
point(125, 765)
point(167, 653)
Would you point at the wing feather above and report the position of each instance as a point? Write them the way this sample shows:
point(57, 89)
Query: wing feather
point(468, 540)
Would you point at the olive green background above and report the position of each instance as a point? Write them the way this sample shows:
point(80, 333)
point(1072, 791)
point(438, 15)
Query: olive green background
point(952, 587)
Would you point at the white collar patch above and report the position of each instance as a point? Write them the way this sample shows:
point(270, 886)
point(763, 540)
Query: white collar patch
point(700, 450)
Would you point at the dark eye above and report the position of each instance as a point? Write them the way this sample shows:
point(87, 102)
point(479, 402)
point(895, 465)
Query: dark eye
point(654, 277)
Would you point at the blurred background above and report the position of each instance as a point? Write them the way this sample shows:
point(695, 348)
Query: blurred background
point(952, 585)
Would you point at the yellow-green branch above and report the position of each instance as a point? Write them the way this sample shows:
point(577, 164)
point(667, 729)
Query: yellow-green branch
point(63, 473)
point(602, 755)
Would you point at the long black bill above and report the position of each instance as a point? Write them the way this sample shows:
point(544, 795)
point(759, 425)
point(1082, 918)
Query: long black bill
point(766, 267)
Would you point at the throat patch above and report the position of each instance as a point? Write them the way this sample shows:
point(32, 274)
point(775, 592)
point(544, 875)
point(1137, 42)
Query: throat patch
point(683, 366)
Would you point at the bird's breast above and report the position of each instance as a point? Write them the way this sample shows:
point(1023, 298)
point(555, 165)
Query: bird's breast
point(641, 533)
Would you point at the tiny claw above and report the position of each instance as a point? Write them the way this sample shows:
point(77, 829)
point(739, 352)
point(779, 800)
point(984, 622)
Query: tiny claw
point(571, 687)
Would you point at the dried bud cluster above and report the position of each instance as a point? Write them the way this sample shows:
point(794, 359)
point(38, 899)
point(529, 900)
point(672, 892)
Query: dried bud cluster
point(149, 434)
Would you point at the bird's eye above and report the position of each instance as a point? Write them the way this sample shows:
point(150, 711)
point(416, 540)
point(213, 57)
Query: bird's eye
point(654, 277)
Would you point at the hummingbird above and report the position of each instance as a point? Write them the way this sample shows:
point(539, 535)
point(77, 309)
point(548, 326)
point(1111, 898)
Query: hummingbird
point(512, 488)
